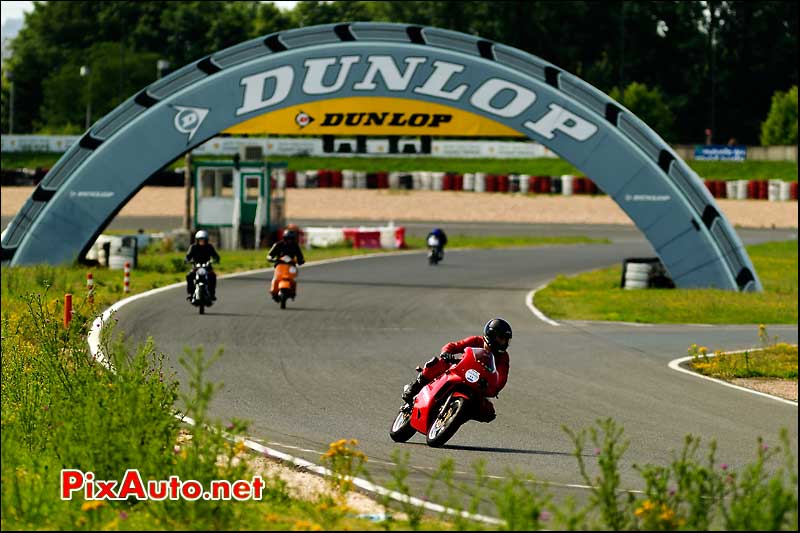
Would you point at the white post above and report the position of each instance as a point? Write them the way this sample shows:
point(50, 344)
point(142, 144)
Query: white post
point(237, 208)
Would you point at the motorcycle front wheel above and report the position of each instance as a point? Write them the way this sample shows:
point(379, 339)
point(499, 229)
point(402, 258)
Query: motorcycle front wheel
point(447, 422)
point(401, 428)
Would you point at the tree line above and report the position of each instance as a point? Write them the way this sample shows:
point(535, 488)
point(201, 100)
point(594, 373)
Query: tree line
point(683, 66)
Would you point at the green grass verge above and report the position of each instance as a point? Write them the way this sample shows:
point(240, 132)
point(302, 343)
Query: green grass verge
point(773, 360)
point(597, 295)
point(712, 170)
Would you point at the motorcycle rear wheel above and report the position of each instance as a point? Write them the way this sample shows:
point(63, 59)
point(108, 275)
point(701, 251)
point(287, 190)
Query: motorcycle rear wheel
point(401, 428)
point(447, 422)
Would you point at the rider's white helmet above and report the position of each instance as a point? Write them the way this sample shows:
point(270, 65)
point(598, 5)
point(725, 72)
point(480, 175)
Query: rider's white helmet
point(201, 234)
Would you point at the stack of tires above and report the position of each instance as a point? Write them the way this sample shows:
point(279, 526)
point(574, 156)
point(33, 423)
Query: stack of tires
point(643, 273)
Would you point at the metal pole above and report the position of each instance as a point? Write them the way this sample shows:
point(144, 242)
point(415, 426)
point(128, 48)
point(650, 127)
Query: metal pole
point(187, 187)
point(11, 114)
point(622, 49)
point(268, 194)
point(89, 104)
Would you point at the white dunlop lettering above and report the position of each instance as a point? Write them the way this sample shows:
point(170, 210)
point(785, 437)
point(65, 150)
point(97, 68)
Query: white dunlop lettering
point(434, 85)
point(315, 72)
point(254, 89)
point(559, 119)
point(386, 67)
point(482, 98)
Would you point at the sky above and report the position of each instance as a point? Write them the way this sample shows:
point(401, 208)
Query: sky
point(15, 9)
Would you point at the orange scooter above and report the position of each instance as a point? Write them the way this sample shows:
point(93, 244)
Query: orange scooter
point(284, 284)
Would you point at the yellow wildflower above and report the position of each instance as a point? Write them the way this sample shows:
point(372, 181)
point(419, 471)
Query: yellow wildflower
point(305, 525)
point(667, 514)
point(92, 504)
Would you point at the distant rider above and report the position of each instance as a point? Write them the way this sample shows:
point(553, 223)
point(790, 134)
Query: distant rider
point(201, 252)
point(286, 246)
point(441, 236)
point(495, 339)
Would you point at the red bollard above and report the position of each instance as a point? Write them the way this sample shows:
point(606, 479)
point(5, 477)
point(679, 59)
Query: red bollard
point(127, 279)
point(291, 178)
point(90, 287)
point(546, 185)
point(336, 179)
point(502, 183)
point(324, 179)
point(67, 309)
point(383, 180)
point(752, 189)
point(711, 188)
point(763, 190)
point(793, 190)
point(491, 183)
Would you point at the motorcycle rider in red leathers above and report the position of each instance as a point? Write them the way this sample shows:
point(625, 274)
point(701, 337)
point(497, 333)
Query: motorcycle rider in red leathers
point(496, 336)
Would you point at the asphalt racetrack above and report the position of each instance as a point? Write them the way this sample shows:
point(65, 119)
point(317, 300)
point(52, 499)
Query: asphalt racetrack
point(333, 364)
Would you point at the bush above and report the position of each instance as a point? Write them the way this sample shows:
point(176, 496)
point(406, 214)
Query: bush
point(780, 126)
point(647, 104)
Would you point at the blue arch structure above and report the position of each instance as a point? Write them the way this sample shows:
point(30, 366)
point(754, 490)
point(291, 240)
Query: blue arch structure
point(628, 161)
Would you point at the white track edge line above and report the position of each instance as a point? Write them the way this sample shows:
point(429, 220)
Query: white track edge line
point(535, 310)
point(675, 365)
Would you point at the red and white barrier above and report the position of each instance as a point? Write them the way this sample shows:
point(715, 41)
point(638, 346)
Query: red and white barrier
point(127, 279)
point(389, 237)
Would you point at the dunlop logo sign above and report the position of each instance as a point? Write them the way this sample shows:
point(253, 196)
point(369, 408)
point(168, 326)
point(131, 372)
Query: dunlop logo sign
point(414, 120)
point(445, 83)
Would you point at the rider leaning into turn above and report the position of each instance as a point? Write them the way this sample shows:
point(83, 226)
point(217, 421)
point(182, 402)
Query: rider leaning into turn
point(496, 336)
point(201, 252)
point(286, 246)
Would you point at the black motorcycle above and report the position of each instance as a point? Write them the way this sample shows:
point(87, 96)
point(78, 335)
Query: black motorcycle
point(201, 297)
point(435, 250)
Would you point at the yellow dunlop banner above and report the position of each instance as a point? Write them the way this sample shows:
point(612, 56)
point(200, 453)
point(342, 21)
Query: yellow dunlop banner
point(370, 115)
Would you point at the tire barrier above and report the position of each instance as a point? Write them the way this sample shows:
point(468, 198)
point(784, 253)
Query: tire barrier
point(644, 273)
point(566, 185)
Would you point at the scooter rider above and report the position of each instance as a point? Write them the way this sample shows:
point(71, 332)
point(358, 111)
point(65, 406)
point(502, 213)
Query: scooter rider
point(201, 252)
point(286, 246)
point(496, 337)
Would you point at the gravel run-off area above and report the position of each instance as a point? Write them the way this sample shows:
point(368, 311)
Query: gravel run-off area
point(452, 206)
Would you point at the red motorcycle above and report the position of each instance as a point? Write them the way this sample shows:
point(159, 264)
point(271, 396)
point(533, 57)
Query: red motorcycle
point(450, 400)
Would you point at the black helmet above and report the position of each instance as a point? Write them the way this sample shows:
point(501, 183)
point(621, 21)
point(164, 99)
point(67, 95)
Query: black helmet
point(497, 334)
point(288, 235)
